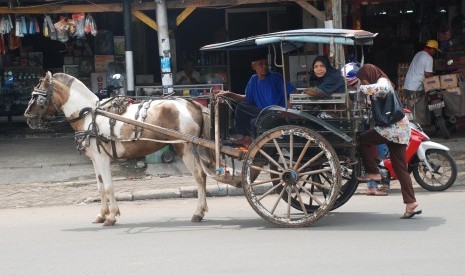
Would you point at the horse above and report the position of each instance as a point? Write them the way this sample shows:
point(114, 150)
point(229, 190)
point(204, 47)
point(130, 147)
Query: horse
point(104, 139)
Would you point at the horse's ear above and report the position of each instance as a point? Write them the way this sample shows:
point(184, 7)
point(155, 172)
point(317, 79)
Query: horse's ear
point(48, 76)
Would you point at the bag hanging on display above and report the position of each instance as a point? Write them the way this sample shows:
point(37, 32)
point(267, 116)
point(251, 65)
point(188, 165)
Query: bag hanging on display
point(386, 111)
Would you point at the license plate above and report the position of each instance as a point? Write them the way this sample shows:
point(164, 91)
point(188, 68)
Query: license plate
point(436, 106)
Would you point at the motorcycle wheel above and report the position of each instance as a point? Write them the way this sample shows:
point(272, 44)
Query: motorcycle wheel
point(441, 124)
point(444, 174)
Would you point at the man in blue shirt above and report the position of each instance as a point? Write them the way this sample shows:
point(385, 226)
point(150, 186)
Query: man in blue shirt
point(264, 89)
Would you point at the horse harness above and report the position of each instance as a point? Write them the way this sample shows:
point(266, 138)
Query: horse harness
point(45, 97)
point(119, 107)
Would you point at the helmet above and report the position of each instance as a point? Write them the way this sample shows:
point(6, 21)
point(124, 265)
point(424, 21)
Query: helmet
point(351, 70)
point(432, 44)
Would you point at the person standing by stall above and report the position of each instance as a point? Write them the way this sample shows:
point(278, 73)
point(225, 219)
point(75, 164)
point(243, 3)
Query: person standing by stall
point(420, 68)
point(189, 75)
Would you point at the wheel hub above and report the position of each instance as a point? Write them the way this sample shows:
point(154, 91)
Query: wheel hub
point(290, 177)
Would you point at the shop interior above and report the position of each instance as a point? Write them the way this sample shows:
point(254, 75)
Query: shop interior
point(403, 27)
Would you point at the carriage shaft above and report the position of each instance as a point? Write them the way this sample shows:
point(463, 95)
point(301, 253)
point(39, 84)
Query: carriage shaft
point(172, 133)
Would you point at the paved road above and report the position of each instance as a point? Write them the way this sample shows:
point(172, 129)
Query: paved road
point(156, 237)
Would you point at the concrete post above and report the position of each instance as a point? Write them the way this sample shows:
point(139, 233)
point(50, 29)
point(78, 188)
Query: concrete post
point(128, 48)
point(164, 48)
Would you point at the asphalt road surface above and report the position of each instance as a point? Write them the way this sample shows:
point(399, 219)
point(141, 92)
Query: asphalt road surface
point(363, 237)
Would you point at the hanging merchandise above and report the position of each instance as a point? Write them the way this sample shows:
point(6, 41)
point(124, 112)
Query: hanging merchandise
point(71, 27)
point(2, 45)
point(18, 32)
point(45, 28)
point(51, 28)
point(37, 26)
point(23, 25)
point(13, 41)
point(62, 29)
point(32, 27)
point(79, 24)
point(90, 26)
point(5, 24)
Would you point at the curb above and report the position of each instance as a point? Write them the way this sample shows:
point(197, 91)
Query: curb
point(219, 190)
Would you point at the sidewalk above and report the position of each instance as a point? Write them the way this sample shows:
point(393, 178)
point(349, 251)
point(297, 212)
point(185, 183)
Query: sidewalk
point(45, 169)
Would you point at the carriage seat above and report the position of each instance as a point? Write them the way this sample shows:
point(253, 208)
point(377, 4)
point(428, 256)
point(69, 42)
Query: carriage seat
point(335, 98)
point(336, 102)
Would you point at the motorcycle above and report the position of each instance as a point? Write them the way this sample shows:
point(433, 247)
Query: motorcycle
point(433, 167)
point(115, 87)
point(436, 107)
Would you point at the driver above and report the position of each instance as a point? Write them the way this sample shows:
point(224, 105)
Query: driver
point(265, 88)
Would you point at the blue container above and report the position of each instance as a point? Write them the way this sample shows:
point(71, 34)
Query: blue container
point(156, 157)
point(382, 150)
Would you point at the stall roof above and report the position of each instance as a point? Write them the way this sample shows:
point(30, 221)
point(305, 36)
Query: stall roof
point(291, 37)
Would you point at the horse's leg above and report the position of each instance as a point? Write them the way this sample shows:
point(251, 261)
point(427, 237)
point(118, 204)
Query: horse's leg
point(104, 210)
point(191, 161)
point(102, 165)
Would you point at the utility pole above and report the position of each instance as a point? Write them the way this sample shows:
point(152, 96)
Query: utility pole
point(128, 48)
point(334, 20)
point(164, 48)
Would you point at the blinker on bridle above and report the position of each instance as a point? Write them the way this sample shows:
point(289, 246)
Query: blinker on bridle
point(43, 99)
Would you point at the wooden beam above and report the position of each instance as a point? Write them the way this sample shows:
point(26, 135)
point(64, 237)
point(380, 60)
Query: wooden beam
point(118, 7)
point(54, 8)
point(147, 20)
point(183, 15)
point(312, 10)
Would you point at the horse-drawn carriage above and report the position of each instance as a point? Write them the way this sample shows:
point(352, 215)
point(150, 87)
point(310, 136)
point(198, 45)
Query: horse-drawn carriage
point(298, 168)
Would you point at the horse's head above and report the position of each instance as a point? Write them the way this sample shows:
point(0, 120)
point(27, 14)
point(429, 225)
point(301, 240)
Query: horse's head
point(42, 108)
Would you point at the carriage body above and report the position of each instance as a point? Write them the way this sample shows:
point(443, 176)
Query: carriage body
point(316, 160)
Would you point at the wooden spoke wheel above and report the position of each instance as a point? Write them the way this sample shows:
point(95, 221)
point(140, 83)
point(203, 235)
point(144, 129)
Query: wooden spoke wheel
point(349, 186)
point(286, 161)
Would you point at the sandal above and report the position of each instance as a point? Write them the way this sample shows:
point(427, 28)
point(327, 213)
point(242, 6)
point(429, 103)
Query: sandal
point(383, 187)
point(376, 193)
point(408, 215)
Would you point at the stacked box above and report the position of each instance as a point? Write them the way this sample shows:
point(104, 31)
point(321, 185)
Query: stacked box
point(448, 81)
point(432, 83)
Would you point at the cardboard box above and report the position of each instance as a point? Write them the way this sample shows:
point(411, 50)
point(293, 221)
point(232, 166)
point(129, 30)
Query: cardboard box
point(99, 81)
point(431, 83)
point(454, 90)
point(448, 81)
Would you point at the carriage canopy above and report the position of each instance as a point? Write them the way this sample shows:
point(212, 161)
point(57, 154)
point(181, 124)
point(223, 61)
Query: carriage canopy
point(294, 39)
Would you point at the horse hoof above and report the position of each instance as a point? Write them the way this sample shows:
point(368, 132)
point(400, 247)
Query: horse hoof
point(196, 218)
point(109, 222)
point(99, 219)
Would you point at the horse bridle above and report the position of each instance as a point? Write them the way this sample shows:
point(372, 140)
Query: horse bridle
point(43, 98)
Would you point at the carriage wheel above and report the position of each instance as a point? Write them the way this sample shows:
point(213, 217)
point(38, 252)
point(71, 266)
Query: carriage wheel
point(287, 158)
point(349, 186)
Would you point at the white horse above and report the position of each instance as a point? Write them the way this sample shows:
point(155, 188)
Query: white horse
point(104, 139)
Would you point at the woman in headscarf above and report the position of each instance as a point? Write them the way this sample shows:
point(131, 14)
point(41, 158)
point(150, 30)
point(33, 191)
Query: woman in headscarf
point(327, 79)
point(370, 74)
point(396, 136)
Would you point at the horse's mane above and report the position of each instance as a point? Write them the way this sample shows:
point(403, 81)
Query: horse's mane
point(65, 78)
